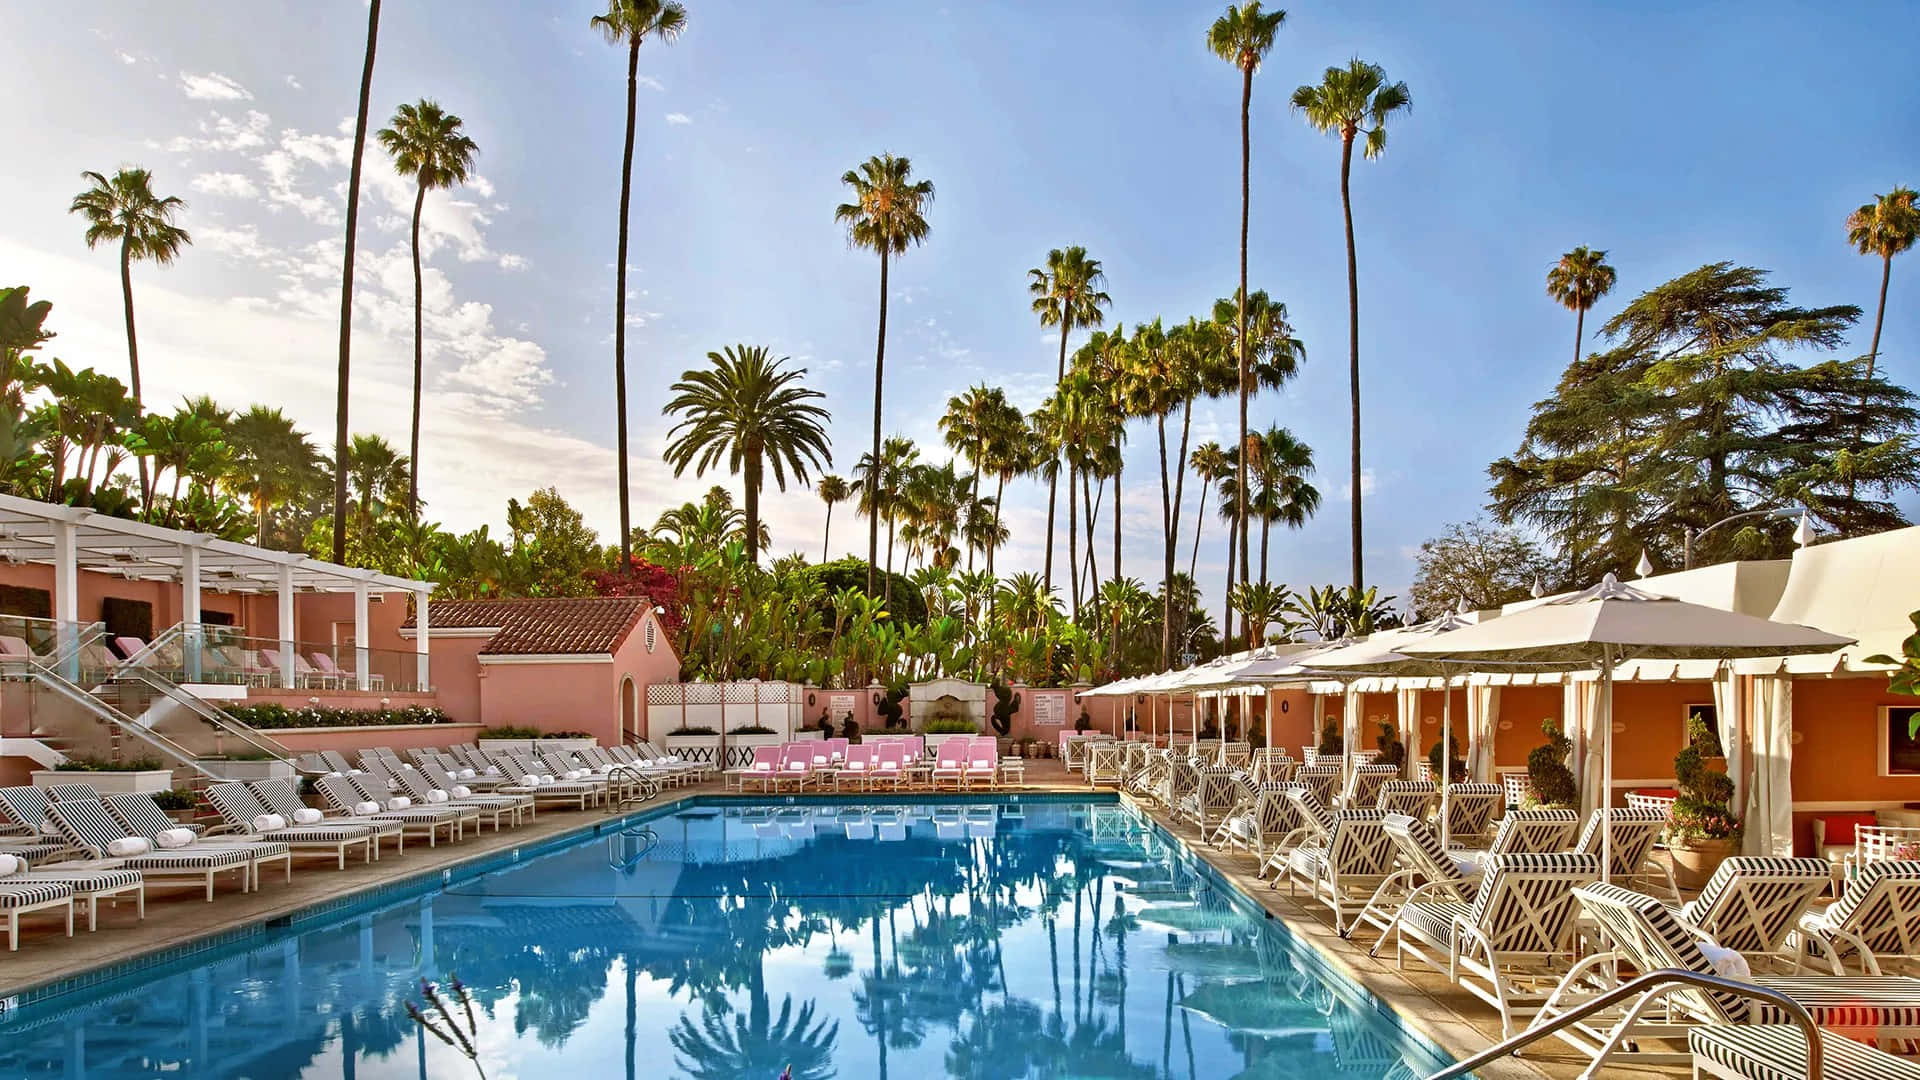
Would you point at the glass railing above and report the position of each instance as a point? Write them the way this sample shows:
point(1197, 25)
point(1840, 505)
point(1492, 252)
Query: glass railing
point(157, 703)
point(100, 728)
point(206, 653)
point(50, 643)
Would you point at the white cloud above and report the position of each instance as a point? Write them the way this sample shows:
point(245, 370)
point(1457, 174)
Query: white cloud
point(227, 184)
point(519, 262)
point(677, 118)
point(220, 133)
point(243, 242)
point(295, 83)
point(126, 57)
point(652, 83)
point(1366, 487)
point(213, 86)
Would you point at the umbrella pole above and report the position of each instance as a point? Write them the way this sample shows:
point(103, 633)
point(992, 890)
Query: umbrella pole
point(1446, 760)
point(1606, 763)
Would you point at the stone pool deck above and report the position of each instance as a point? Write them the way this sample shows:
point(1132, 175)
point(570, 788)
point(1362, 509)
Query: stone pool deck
point(1456, 1021)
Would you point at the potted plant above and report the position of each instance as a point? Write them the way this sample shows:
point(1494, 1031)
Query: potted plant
point(1392, 751)
point(1332, 743)
point(940, 730)
point(695, 742)
point(1005, 704)
point(1553, 783)
point(1703, 829)
point(148, 774)
point(179, 803)
point(742, 740)
point(1457, 765)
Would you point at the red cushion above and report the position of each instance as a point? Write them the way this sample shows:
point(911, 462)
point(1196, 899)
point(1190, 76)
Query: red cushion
point(1839, 827)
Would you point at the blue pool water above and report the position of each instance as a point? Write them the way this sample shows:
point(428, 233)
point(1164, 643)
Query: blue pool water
point(1042, 938)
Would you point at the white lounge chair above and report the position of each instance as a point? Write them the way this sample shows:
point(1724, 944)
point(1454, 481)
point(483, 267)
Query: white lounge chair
point(87, 825)
point(1344, 868)
point(1752, 904)
point(1875, 921)
point(1634, 834)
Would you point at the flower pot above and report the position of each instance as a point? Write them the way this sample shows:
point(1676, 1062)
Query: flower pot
point(1694, 861)
point(107, 783)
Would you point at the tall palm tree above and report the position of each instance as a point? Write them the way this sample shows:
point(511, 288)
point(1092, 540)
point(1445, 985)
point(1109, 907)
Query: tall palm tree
point(340, 447)
point(1885, 227)
point(967, 426)
point(1282, 465)
point(880, 483)
point(751, 409)
point(427, 144)
point(377, 474)
point(1577, 282)
point(125, 209)
point(628, 23)
point(831, 489)
point(1210, 466)
point(1010, 452)
point(1351, 100)
point(1066, 294)
point(1243, 37)
point(887, 216)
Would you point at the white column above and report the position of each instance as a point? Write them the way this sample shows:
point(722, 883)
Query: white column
point(286, 627)
point(420, 640)
point(66, 592)
point(363, 677)
point(190, 608)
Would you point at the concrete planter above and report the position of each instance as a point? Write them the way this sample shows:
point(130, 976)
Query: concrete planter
point(739, 748)
point(107, 783)
point(1694, 861)
point(248, 770)
point(536, 745)
point(700, 749)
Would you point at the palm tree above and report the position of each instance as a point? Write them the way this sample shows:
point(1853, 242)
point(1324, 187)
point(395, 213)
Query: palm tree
point(1577, 282)
point(1350, 100)
point(346, 288)
point(1066, 294)
point(831, 489)
point(1210, 466)
point(1282, 464)
point(881, 489)
point(377, 474)
point(1243, 37)
point(1885, 227)
point(126, 210)
point(272, 461)
point(1010, 451)
point(751, 409)
point(887, 216)
point(967, 425)
point(427, 144)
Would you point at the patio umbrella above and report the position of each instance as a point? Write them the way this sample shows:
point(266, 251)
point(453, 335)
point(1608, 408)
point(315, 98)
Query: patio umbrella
point(1611, 623)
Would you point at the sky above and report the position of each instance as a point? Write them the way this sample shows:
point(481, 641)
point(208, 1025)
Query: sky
point(1669, 134)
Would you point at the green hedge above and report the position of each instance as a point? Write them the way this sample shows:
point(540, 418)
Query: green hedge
point(313, 716)
point(83, 763)
point(953, 726)
point(512, 731)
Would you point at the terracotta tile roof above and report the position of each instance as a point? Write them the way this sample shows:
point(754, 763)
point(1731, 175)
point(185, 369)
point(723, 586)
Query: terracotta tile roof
point(541, 626)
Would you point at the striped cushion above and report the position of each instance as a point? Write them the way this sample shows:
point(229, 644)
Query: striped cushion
point(30, 852)
point(138, 812)
point(71, 792)
point(1409, 797)
point(25, 807)
point(1778, 1052)
point(1882, 906)
point(1470, 807)
point(1432, 920)
point(1526, 902)
point(30, 894)
point(82, 881)
point(1751, 902)
point(1863, 1003)
point(1529, 831)
point(278, 797)
point(237, 805)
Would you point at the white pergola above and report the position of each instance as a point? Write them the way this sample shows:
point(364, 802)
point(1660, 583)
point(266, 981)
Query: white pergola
point(72, 538)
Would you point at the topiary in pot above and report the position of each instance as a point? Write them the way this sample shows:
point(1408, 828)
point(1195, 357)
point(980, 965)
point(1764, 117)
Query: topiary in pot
point(887, 704)
point(1392, 751)
point(1458, 774)
point(1005, 704)
point(1553, 782)
point(1703, 829)
point(1332, 743)
point(850, 730)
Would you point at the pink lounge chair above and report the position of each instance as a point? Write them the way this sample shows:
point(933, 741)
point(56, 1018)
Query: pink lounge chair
point(836, 750)
point(950, 763)
point(796, 766)
point(763, 770)
point(129, 646)
point(889, 765)
point(16, 648)
point(857, 768)
point(983, 763)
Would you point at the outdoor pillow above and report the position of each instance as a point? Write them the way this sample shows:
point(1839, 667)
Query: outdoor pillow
point(129, 846)
point(9, 864)
point(365, 808)
point(307, 815)
point(399, 802)
point(461, 791)
point(1840, 826)
point(546, 778)
point(1727, 963)
point(436, 795)
point(530, 780)
point(467, 774)
point(173, 839)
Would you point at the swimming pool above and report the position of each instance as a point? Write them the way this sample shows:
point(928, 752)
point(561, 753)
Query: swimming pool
point(1043, 936)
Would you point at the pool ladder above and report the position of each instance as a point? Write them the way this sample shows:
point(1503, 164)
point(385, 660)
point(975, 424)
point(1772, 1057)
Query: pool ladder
point(637, 789)
point(1653, 985)
point(619, 858)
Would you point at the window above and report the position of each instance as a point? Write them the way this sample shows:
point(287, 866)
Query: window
point(25, 602)
point(649, 633)
point(1899, 740)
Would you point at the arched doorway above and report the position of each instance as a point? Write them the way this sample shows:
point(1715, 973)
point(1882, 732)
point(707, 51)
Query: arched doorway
point(630, 711)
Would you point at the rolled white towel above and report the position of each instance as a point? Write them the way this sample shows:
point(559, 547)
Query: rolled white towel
point(461, 791)
point(128, 847)
point(399, 802)
point(335, 772)
point(264, 823)
point(436, 795)
point(1469, 863)
point(365, 808)
point(573, 774)
point(173, 839)
point(492, 770)
point(466, 774)
point(603, 769)
point(1726, 963)
point(307, 815)
point(546, 778)
point(10, 864)
point(530, 780)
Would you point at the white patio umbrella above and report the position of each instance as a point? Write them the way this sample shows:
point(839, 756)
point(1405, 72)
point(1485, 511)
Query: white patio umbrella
point(1611, 623)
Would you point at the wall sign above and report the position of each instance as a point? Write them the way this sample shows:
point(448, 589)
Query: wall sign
point(1049, 707)
point(840, 706)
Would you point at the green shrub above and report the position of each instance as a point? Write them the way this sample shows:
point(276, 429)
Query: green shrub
point(1458, 774)
point(951, 726)
point(1703, 736)
point(1005, 704)
point(175, 799)
point(1331, 741)
point(272, 716)
point(752, 729)
point(1553, 782)
point(1704, 809)
point(86, 763)
point(695, 729)
point(887, 703)
point(1392, 751)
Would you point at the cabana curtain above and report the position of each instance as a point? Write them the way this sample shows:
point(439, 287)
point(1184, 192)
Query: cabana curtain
point(1483, 720)
point(1769, 803)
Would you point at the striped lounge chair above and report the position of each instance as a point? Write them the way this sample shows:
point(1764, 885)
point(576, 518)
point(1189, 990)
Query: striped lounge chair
point(1322, 780)
point(1517, 934)
point(344, 793)
point(1426, 872)
point(397, 781)
point(492, 808)
point(1470, 810)
point(279, 798)
point(1345, 868)
point(517, 768)
point(1752, 905)
point(239, 806)
point(25, 899)
point(1635, 830)
point(1218, 790)
point(23, 810)
point(1272, 764)
point(519, 804)
point(86, 824)
point(90, 884)
point(1534, 832)
point(139, 815)
point(1258, 826)
point(1363, 785)
point(1649, 935)
point(1876, 920)
point(1779, 1052)
point(1409, 797)
point(1313, 823)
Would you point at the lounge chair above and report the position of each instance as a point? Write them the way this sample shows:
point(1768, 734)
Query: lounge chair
point(1412, 798)
point(1236, 755)
point(890, 766)
point(1470, 810)
point(1426, 871)
point(1646, 933)
point(241, 809)
point(796, 767)
point(950, 765)
point(982, 769)
point(324, 666)
point(1344, 868)
point(564, 768)
point(1518, 786)
point(279, 798)
point(853, 772)
point(1534, 832)
point(1106, 763)
point(1752, 905)
point(545, 786)
point(347, 794)
point(1363, 785)
point(1517, 932)
point(24, 811)
point(1876, 919)
point(1218, 791)
point(760, 771)
point(1271, 764)
point(409, 782)
point(25, 899)
point(86, 824)
point(1314, 824)
point(139, 815)
point(1770, 1051)
point(518, 803)
point(1259, 825)
point(1634, 832)
point(90, 884)
point(1178, 784)
point(337, 761)
point(1322, 780)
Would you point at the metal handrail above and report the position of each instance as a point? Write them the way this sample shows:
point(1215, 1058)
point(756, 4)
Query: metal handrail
point(1653, 984)
point(183, 757)
point(216, 717)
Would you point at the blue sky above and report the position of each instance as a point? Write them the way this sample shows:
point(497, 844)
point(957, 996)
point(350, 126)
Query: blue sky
point(1669, 134)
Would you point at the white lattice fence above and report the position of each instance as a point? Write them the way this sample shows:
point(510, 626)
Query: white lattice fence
point(724, 707)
